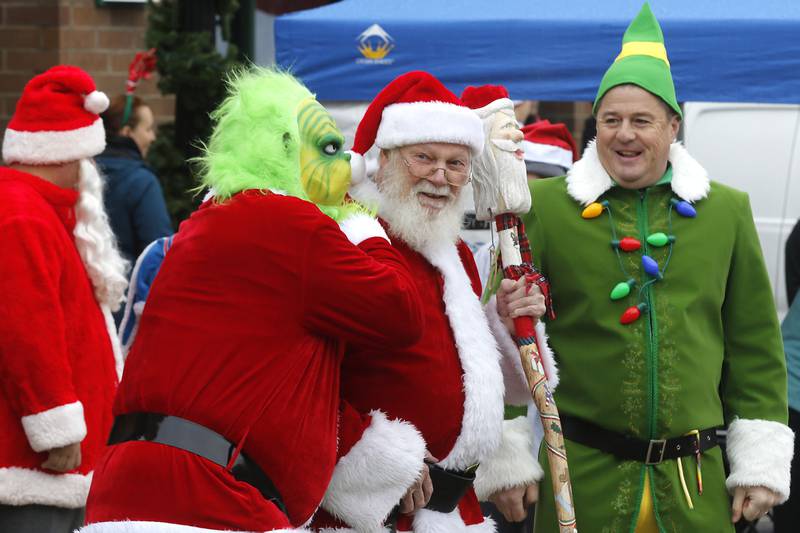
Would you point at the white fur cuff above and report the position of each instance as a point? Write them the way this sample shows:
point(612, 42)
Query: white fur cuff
point(513, 464)
point(24, 486)
point(760, 453)
point(369, 481)
point(55, 427)
point(129, 526)
point(359, 228)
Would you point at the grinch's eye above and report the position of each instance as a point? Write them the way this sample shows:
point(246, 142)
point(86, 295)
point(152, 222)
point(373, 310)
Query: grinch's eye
point(330, 148)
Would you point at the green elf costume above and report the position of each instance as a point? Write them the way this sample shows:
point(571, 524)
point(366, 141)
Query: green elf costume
point(666, 327)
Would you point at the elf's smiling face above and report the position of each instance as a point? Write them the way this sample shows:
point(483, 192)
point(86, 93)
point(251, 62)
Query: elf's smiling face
point(324, 166)
point(634, 133)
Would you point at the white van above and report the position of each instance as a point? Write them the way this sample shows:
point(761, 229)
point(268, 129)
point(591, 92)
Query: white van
point(754, 148)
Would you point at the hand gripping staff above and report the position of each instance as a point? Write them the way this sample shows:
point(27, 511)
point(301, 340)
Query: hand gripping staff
point(515, 257)
point(500, 190)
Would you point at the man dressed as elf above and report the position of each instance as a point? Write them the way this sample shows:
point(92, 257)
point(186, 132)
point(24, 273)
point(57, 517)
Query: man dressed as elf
point(227, 415)
point(666, 326)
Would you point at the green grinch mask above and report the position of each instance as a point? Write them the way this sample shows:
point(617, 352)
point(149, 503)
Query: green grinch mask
point(324, 166)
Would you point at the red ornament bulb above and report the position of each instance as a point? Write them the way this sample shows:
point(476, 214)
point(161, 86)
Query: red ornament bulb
point(632, 314)
point(629, 244)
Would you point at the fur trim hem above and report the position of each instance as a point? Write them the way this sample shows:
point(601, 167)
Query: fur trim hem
point(345, 530)
point(513, 464)
point(113, 338)
point(760, 453)
point(130, 526)
point(517, 391)
point(369, 481)
point(426, 122)
point(47, 147)
point(426, 521)
point(24, 486)
point(55, 427)
point(587, 180)
point(359, 228)
point(479, 356)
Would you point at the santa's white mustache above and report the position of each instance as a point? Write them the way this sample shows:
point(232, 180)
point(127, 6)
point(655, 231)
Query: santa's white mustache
point(507, 145)
point(429, 188)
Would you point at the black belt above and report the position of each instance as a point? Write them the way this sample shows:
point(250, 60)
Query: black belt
point(650, 452)
point(199, 440)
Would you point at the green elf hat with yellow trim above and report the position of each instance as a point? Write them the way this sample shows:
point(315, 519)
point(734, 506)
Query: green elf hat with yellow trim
point(642, 61)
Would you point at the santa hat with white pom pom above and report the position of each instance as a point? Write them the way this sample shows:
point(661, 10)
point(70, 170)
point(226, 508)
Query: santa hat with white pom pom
point(414, 108)
point(56, 119)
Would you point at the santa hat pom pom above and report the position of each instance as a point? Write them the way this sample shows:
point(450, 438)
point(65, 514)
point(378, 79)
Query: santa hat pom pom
point(96, 102)
point(358, 168)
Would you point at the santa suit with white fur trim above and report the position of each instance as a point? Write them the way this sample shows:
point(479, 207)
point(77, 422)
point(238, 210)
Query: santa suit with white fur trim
point(450, 383)
point(57, 343)
point(244, 333)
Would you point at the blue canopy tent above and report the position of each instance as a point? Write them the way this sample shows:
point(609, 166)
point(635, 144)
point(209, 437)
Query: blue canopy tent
point(720, 50)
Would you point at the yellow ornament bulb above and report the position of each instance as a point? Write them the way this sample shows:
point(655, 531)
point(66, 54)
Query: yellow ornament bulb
point(593, 210)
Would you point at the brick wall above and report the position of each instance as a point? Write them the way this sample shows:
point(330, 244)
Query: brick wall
point(37, 34)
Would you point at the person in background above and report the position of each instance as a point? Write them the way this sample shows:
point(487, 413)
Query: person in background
point(60, 276)
point(133, 197)
point(792, 263)
point(787, 516)
point(549, 149)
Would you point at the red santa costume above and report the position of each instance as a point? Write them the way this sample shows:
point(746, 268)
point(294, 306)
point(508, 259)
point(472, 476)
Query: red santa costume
point(449, 384)
point(244, 333)
point(60, 275)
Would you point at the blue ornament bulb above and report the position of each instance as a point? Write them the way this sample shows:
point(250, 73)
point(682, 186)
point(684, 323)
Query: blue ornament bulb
point(650, 266)
point(684, 209)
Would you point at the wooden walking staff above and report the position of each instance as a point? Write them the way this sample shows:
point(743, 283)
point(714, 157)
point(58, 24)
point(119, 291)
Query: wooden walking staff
point(514, 248)
point(500, 190)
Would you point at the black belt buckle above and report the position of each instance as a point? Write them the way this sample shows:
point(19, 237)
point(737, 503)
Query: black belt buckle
point(660, 446)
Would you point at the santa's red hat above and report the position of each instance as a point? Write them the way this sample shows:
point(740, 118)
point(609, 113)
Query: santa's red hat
point(487, 99)
point(549, 148)
point(56, 119)
point(414, 108)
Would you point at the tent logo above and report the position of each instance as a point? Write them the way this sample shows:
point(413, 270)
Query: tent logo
point(375, 44)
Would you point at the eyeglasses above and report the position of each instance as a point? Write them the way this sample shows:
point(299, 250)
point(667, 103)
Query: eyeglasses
point(424, 169)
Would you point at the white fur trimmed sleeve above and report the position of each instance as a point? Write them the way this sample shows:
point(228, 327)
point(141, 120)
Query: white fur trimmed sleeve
point(517, 392)
point(513, 464)
point(760, 454)
point(359, 228)
point(370, 480)
point(55, 427)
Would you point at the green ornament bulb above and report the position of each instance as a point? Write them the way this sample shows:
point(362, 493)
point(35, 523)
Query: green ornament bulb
point(658, 239)
point(620, 290)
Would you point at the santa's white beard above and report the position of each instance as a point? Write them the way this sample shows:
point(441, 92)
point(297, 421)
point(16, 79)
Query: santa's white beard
point(96, 242)
point(420, 227)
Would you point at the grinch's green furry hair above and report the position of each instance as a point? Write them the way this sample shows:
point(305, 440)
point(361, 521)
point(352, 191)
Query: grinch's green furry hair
point(256, 144)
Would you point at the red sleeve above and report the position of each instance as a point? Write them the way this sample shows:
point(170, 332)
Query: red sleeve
point(361, 294)
point(37, 376)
